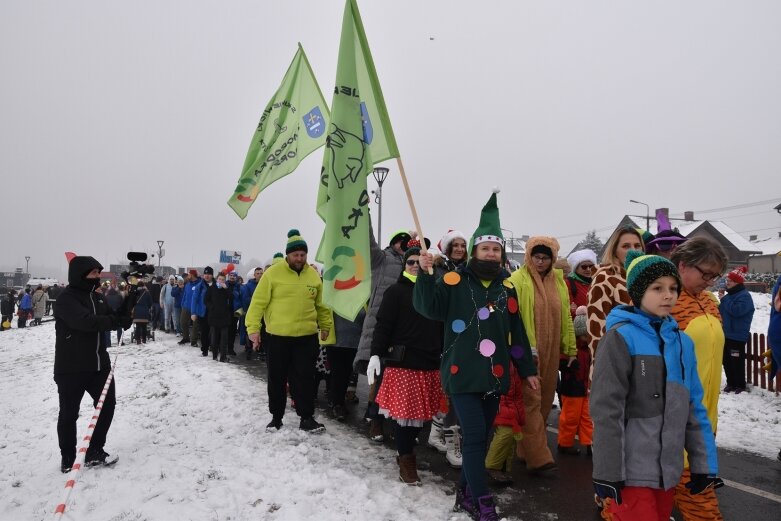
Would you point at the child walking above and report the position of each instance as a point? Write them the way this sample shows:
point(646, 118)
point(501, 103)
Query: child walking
point(575, 418)
point(646, 401)
point(509, 422)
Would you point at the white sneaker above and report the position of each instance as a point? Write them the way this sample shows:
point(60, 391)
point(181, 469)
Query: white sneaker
point(453, 442)
point(436, 438)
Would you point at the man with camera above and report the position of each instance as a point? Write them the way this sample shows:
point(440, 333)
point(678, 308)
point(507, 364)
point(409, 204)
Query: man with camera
point(81, 362)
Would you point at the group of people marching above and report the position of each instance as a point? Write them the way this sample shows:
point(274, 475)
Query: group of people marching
point(634, 348)
point(27, 305)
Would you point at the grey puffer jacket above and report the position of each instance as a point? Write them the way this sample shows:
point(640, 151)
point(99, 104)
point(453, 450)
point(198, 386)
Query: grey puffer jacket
point(386, 267)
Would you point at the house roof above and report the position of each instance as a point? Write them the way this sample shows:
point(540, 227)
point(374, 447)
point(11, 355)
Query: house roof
point(686, 228)
point(769, 246)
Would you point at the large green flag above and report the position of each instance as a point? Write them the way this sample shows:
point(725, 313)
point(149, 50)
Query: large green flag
point(293, 124)
point(360, 134)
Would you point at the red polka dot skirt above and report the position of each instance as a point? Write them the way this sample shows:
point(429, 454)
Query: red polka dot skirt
point(410, 396)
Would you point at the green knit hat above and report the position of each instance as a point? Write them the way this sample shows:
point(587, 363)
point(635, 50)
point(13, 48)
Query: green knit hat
point(295, 242)
point(489, 228)
point(278, 257)
point(642, 270)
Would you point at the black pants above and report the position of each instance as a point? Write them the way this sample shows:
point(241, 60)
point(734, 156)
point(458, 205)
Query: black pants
point(184, 324)
point(141, 332)
point(204, 332)
point(22, 321)
point(232, 332)
point(71, 388)
point(735, 363)
point(219, 340)
point(341, 362)
point(291, 360)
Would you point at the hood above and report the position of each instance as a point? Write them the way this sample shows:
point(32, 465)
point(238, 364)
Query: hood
point(631, 314)
point(550, 242)
point(78, 268)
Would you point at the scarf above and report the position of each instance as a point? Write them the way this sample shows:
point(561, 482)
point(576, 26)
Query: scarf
point(547, 312)
point(485, 270)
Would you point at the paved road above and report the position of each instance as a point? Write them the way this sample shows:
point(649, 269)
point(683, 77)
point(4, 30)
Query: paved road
point(753, 490)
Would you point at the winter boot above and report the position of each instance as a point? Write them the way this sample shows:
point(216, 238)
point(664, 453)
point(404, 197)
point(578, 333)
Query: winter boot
point(274, 425)
point(408, 471)
point(311, 426)
point(99, 457)
point(436, 438)
point(499, 478)
point(487, 509)
point(67, 463)
point(453, 442)
point(464, 502)
point(375, 430)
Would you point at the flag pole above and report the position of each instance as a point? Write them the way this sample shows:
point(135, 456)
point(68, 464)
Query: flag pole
point(418, 228)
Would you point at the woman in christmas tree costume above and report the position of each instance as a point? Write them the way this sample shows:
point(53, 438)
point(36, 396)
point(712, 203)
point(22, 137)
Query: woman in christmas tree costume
point(483, 335)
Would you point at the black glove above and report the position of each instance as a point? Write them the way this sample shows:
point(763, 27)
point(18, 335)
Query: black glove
point(702, 482)
point(609, 489)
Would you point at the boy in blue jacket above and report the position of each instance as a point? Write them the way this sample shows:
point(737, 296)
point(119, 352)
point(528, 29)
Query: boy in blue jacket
point(646, 401)
point(737, 312)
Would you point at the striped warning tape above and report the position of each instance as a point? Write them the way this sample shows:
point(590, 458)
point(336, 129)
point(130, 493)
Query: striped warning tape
point(81, 453)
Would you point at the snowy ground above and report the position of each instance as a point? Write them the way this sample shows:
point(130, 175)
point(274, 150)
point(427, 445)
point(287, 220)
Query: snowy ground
point(191, 438)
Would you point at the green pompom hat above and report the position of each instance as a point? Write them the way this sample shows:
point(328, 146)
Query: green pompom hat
point(642, 270)
point(295, 242)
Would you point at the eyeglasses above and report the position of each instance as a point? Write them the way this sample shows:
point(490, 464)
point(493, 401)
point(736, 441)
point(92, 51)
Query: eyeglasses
point(411, 262)
point(588, 267)
point(708, 277)
point(540, 258)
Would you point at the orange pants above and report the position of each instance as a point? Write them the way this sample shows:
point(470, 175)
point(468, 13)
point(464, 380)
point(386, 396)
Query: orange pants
point(640, 504)
point(575, 419)
point(702, 507)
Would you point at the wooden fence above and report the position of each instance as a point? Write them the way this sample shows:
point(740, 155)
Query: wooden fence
point(755, 375)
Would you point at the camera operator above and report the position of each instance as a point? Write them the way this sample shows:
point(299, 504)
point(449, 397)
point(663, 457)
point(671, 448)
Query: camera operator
point(81, 362)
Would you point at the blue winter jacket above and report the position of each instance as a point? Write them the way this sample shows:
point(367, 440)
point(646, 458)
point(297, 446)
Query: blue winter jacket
point(188, 293)
point(246, 293)
point(143, 307)
point(737, 311)
point(197, 304)
point(26, 303)
point(236, 295)
point(178, 294)
point(646, 403)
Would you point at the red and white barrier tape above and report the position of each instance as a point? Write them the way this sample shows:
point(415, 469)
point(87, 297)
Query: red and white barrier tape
point(81, 452)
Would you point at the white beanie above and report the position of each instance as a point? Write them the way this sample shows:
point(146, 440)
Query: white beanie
point(450, 236)
point(576, 258)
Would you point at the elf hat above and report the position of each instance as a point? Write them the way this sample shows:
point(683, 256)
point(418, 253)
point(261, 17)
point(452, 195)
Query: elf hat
point(489, 229)
point(737, 275)
point(295, 242)
point(642, 270)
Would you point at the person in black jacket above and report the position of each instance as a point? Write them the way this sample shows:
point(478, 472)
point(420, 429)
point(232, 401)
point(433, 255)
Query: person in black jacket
point(8, 309)
point(411, 391)
point(219, 306)
point(81, 362)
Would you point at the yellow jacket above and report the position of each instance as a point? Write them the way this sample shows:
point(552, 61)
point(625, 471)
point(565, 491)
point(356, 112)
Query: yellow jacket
point(290, 303)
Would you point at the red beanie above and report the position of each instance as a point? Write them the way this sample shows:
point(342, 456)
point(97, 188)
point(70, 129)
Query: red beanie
point(737, 276)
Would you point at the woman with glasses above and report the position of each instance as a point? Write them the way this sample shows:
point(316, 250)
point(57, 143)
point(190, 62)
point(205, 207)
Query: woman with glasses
point(411, 345)
point(545, 309)
point(608, 283)
point(701, 262)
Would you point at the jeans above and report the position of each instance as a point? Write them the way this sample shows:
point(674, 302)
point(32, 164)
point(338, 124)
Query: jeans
point(476, 413)
point(177, 318)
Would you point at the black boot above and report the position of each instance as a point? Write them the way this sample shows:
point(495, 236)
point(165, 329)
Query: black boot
point(67, 463)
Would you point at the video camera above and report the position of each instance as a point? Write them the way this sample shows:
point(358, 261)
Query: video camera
point(136, 270)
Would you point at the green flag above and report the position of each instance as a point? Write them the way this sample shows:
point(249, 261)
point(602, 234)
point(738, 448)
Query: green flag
point(359, 135)
point(293, 124)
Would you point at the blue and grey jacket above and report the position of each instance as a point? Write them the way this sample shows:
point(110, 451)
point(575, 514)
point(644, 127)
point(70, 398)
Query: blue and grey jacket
point(737, 312)
point(646, 403)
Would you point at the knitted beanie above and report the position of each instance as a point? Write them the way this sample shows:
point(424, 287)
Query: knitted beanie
point(489, 229)
point(278, 257)
point(414, 249)
point(580, 321)
point(208, 270)
point(576, 258)
point(295, 242)
point(642, 270)
point(737, 275)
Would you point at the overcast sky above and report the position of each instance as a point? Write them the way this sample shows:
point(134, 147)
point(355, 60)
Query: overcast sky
point(124, 123)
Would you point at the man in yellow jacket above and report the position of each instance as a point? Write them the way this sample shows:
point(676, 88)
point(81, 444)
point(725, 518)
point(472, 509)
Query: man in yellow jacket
point(289, 299)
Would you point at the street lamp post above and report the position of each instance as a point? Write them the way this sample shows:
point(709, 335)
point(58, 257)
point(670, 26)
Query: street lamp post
point(159, 252)
point(27, 268)
point(380, 173)
point(647, 214)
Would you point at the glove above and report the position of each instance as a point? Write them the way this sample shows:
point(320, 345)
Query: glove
point(373, 369)
point(702, 482)
point(609, 489)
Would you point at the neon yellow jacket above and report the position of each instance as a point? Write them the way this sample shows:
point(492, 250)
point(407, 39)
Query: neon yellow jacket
point(290, 303)
point(524, 286)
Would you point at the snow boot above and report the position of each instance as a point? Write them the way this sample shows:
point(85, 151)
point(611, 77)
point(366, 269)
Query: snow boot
point(453, 442)
point(311, 426)
point(408, 471)
point(274, 425)
point(464, 502)
point(436, 438)
point(375, 430)
point(340, 412)
point(99, 457)
point(487, 509)
point(67, 463)
point(500, 478)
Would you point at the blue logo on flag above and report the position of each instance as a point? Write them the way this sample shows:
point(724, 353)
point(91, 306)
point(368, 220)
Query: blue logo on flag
point(314, 123)
point(368, 131)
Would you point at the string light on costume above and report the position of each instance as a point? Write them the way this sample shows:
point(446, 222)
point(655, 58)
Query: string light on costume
point(458, 326)
point(487, 348)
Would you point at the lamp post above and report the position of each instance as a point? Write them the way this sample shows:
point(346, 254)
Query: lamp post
point(159, 252)
point(380, 173)
point(27, 268)
point(647, 214)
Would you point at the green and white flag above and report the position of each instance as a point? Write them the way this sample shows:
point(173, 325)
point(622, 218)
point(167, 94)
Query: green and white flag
point(359, 135)
point(292, 125)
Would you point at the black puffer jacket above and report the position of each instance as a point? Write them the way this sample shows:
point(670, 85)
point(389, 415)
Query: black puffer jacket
point(399, 324)
point(219, 304)
point(80, 316)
